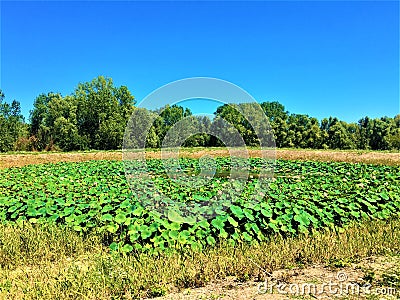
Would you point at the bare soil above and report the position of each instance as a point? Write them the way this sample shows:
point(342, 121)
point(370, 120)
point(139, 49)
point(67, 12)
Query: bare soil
point(305, 283)
point(19, 160)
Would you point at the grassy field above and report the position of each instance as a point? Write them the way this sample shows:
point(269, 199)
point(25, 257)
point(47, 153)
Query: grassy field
point(47, 262)
point(354, 228)
point(20, 159)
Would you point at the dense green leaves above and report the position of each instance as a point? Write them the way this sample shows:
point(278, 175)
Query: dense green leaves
point(95, 196)
point(95, 116)
point(12, 125)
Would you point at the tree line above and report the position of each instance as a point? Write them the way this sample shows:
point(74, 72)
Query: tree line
point(95, 115)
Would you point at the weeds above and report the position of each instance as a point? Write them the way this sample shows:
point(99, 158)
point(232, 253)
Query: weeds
point(48, 262)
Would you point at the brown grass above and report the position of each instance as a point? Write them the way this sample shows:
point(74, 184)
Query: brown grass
point(370, 157)
point(48, 262)
point(373, 268)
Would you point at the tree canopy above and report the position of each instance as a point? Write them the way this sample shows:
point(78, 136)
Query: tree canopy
point(95, 116)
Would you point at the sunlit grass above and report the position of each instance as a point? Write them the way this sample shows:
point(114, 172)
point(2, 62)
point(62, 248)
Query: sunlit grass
point(49, 262)
point(18, 159)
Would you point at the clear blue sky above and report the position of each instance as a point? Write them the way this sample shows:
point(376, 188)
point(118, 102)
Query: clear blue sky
point(319, 58)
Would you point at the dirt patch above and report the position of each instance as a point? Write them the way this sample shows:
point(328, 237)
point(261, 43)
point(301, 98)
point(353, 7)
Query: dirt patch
point(19, 160)
point(315, 282)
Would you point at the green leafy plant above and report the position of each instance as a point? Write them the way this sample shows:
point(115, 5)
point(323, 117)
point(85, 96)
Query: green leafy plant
point(95, 195)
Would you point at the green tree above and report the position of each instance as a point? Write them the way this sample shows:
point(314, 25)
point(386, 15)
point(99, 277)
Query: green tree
point(53, 122)
point(141, 131)
point(394, 136)
point(102, 113)
point(39, 121)
point(303, 132)
point(274, 110)
point(379, 134)
point(249, 121)
point(363, 133)
point(278, 117)
point(230, 113)
point(169, 116)
point(338, 135)
point(12, 124)
point(63, 125)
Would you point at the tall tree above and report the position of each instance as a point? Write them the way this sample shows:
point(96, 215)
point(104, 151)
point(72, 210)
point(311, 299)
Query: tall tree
point(169, 116)
point(248, 120)
point(394, 136)
point(274, 110)
point(102, 112)
point(379, 134)
point(12, 123)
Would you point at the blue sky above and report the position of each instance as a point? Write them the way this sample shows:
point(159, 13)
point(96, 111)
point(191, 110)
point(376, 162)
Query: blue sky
point(320, 58)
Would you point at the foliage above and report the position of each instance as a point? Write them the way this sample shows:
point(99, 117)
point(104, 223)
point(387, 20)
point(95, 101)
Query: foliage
point(95, 115)
point(95, 196)
point(302, 131)
point(102, 113)
point(53, 262)
point(12, 125)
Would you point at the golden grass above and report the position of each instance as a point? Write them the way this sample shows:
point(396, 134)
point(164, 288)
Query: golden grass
point(48, 262)
point(370, 157)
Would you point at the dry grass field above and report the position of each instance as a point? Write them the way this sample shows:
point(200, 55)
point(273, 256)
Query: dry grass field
point(370, 157)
